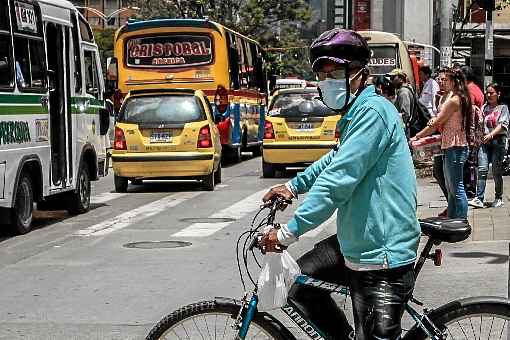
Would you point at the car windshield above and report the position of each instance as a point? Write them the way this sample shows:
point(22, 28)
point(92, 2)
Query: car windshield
point(299, 104)
point(163, 109)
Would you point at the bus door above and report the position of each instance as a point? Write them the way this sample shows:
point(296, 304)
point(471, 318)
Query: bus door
point(57, 42)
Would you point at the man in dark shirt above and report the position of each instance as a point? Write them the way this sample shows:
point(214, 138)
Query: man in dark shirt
point(405, 97)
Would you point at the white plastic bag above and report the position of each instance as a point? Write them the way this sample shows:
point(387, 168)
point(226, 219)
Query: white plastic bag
point(278, 273)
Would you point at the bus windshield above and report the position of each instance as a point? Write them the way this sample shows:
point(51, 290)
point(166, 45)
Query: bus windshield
point(162, 109)
point(384, 59)
point(169, 50)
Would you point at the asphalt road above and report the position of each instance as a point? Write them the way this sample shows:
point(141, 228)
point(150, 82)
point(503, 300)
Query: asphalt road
point(78, 278)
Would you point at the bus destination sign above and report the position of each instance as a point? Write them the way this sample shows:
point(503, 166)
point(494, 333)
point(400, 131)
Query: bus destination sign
point(169, 51)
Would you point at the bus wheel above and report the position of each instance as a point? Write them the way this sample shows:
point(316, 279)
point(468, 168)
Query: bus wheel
point(121, 183)
point(22, 212)
point(79, 200)
point(208, 182)
point(268, 170)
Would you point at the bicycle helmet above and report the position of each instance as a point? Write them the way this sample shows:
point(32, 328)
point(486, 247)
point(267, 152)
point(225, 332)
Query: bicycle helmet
point(340, 46)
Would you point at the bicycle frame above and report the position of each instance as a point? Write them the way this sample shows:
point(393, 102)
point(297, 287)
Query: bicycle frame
point(294, 313)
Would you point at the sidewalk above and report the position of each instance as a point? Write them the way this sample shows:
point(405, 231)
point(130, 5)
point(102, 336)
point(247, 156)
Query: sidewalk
point(488, 223)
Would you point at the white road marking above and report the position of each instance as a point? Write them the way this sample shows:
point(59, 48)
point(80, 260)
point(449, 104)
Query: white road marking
point(315, 232)
point(133, 216)
point(235, 211)
point(105, 197)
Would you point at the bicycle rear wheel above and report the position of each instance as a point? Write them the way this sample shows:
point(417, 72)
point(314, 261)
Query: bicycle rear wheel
point(476, 318)
point(212, 320)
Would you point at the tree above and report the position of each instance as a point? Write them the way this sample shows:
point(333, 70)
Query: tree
point(273, 24)
point(104, 40)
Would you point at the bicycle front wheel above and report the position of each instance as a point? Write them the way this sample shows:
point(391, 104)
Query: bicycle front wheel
point(212, 320)
point(475, 318)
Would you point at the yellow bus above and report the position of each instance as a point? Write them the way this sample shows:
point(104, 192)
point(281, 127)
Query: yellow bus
point(197, 54)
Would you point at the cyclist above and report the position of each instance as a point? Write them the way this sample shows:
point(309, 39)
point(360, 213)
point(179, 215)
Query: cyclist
point(369, 177)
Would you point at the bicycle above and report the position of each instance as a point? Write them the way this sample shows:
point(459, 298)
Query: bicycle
point(227, 318)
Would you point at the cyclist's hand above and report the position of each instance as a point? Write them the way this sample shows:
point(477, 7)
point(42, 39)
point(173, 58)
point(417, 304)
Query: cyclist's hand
point(269, 242)
point(280, 190)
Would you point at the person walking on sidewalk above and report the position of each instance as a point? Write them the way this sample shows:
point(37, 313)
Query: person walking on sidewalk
point(453, 122)
point(404, 101)
point(492, 150)
point(430, 89)
point(437, 168)
point(476, 94)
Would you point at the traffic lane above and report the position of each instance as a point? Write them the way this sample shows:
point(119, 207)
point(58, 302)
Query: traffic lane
point(55, 227)
point(113, 284)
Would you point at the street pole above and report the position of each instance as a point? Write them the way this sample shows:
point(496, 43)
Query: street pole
point(446, 33)
point(489, 46)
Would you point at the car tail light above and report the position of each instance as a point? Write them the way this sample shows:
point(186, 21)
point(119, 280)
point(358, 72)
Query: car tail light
point(204, 138)
point(120, 140)
point(268, 130)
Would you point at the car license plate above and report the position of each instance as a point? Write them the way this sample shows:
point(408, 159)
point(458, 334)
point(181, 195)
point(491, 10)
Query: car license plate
point(161, 137)
point(304, 126)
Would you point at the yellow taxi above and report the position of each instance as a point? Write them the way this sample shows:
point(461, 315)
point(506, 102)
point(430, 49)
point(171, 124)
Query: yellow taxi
point(298, 130)
point(166, 134)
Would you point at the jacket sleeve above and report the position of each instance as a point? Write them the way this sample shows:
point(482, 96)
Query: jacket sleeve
point(365, 141)
point(304, 180)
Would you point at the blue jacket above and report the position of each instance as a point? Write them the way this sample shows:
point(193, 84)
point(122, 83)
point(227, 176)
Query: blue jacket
point(370, 179)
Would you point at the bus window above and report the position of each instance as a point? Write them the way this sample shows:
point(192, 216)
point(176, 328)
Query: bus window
point(30, 63)
point(5, 49)
point(86, 32)
point(233, 59)
point(76, 56)
point(4, 18)
point(91, 77)
point(384, 59)
point(37, 64)
point(5, 61)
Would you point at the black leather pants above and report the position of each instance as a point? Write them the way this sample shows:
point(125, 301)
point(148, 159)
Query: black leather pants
point(378, 297)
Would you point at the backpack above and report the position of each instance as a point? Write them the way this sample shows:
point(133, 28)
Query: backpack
point(419, 117)
point(476, 131)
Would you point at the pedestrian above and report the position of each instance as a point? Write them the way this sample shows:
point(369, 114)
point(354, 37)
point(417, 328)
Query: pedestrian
point(404, 101)
point(492, 150)
point(429, 91)
point(453, 121)
point(384, 87)
point(477, 97)
point(471, 165)
point(437, 167)
point(375, 247)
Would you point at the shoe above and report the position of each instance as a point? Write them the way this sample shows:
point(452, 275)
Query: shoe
point(443, 214)
point(475, 202)
point(498, 202)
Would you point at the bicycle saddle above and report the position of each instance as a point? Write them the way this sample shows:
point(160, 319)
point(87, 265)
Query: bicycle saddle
point(446, 230)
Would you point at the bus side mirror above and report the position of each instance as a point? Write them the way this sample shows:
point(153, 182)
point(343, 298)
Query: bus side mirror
point(112, 74)
point(104, 121)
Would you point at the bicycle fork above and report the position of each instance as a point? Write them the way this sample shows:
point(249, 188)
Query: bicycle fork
point(246, 314)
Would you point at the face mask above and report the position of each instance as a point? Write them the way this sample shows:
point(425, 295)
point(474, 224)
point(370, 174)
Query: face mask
point(334, 92)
